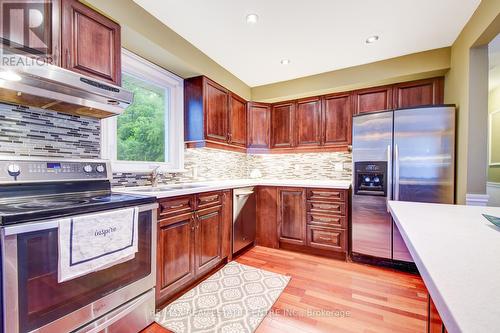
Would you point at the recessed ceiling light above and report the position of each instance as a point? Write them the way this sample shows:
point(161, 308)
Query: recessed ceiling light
point(9, 76)
point(252, 18)
point(372, 39)
point(285, 61)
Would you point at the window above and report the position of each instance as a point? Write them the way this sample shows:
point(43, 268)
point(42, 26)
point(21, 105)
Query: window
point(149, 133)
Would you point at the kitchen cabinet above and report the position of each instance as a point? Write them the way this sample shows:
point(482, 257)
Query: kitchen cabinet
point(213, 116)
point(375, 99)
point(434, 321)
point(310, 220)
point(282, 125)
point(267, 218)
point(216, 102)
point(47, 44)
point(237, 120)
point(291, 216)
point(308, 122)
point(208, 239)
point(419, 93)
point(175, 257)
point(337, 120)
point(259, 122)
point(193, 239)
point(90, 42)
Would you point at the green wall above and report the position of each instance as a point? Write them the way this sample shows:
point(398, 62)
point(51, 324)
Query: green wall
point(494, 105)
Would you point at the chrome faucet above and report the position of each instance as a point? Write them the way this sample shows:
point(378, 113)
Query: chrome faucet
point(155, 176)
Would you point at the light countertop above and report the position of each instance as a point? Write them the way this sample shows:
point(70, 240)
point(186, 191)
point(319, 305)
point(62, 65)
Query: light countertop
point(456, 251)
point(227, 184)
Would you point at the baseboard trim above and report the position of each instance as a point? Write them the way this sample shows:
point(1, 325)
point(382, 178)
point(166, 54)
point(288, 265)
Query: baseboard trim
point(476, 199)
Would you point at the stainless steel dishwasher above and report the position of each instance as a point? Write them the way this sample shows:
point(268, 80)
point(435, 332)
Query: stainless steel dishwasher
point(243, 217)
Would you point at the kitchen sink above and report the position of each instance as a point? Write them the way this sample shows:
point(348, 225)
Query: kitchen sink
point(169, 188)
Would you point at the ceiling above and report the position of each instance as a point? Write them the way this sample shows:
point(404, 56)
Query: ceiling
point(316, 35)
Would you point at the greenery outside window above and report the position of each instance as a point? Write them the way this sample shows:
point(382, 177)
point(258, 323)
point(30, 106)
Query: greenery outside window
point(149, 132)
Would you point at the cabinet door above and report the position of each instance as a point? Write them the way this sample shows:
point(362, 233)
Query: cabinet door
point(419, 93)
point(237, 121)
point(372, 100)
point(258, 125)
point(337, 120)
point(282, 125)
point(90, 42)
point(208, 239)
point(41, 42)
point(308, 122)
point(175, 254)
point(216, 111)
point(292, 215)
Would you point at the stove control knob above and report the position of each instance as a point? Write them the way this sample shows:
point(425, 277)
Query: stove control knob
point(87, 168)
point(14, 170)
point(100, 168)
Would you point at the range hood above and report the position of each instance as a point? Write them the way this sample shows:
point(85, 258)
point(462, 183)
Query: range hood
point(26, 81)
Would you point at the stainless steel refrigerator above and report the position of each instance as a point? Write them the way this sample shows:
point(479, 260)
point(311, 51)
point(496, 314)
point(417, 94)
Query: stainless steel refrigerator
point(406, 155)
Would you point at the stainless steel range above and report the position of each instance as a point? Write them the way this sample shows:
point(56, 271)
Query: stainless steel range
point(34, 195)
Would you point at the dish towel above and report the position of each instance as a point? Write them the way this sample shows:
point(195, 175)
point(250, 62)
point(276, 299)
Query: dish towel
point(90, 243)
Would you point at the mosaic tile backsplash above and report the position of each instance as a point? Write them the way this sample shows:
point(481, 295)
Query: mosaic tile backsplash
point(36, 132)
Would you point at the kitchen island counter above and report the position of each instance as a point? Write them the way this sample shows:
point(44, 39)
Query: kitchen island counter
point(456, 251)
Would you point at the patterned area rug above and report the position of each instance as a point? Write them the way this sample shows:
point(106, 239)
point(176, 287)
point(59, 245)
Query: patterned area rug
point(235, 299)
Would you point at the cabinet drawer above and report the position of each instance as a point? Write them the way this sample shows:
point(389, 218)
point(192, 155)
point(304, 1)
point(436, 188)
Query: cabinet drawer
point(337, 208)
point(205, 200)
point(334, 221)
point(325, 195)
point(326, 238)
point(175, 206)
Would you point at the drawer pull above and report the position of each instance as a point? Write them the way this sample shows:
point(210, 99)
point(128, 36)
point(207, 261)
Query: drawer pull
point(325, 238)
point(326, 219)
point(336, 207)
point(176, 206)
point(209, 199)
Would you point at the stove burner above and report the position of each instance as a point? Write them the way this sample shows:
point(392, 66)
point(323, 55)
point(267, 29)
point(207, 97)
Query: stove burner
point(50, 203)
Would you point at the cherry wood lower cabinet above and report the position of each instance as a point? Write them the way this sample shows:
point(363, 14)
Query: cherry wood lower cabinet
point(434, 323)
point(311, 220)
point(191, 244)
point(292, 216)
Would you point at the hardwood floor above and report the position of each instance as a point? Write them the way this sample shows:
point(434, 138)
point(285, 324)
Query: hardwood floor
point(327, 295)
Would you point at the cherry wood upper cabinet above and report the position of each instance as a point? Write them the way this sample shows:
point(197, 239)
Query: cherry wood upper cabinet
point(237, 120)
point(419, 93)
point(308, 122)
point(292, 216)
point(372, 100)
point(282, 123)
point(216, 101)
point(213, 116)
point(337, 120)
point(259, 122)
point(90, 42)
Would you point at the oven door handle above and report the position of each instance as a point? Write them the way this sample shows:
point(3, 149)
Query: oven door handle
point(52, 224)
point(115, 315)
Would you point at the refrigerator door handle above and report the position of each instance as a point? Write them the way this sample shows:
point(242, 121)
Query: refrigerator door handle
point(396, 172)
point(389, 175)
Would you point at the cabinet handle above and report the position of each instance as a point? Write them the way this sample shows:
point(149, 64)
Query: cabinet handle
point(176, 206)
point(325, 238)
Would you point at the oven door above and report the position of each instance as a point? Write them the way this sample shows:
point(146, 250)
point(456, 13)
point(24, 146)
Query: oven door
point(34, 300)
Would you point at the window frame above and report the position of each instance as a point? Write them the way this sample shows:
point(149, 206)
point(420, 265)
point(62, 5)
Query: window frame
point(139, 67)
